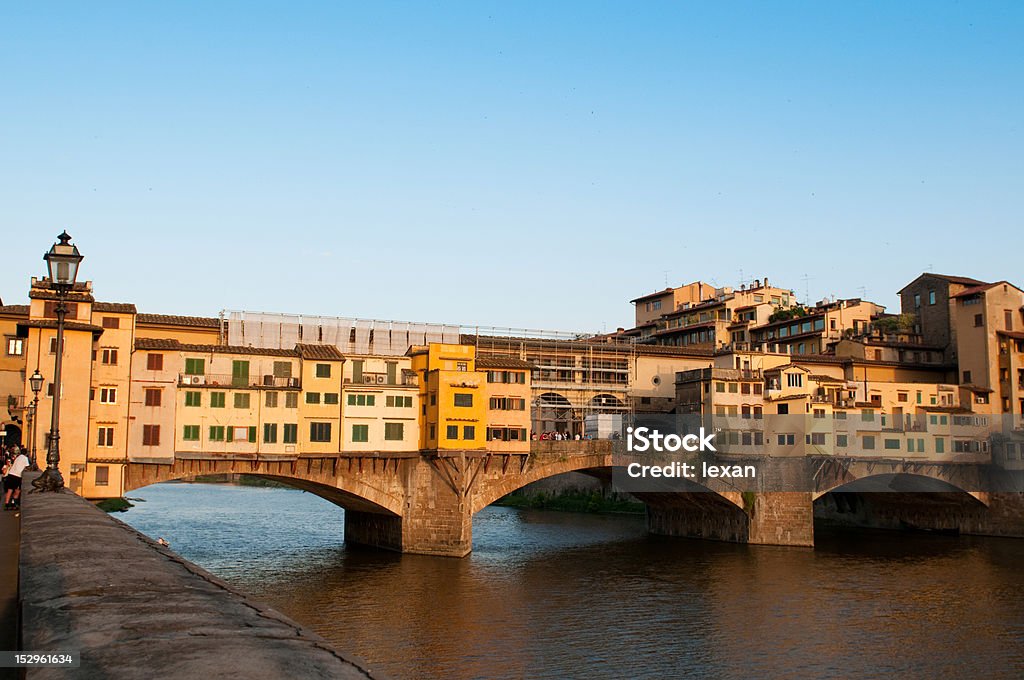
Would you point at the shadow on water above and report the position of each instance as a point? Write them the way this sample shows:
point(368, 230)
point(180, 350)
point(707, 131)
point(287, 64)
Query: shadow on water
point(559, 595)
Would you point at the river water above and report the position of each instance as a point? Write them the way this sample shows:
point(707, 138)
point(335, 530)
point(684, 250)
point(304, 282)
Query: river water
point(561, 595)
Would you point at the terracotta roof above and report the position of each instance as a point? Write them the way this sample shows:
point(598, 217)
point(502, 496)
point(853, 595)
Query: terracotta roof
point(114, 307)
point(946, 409)
point(325, 352)
point(173, 320)
point(174, 345)
point(503, 362)
point(653, 295)
point(19, 310)
point(976, 388)
point(825, 378)
point(1016, 335)
point(68, 325)
point(74, 296)
point(961, 280)
point(975, 290)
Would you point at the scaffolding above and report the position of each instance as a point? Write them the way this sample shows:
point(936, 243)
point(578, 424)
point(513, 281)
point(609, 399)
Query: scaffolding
point(574, 374)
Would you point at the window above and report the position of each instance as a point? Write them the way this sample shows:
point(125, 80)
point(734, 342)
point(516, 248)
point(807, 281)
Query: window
point(940, 445)
point(216, 433)
point(902, 396)
point(269, 433)
point(931, 297)
point(469, 432)
point(50, 310)
point(291, 399)
point(867, 415)
point(193, 399)
point(452, 432)
point(105, 436)
point(892, 444)
point(151, 435)
point(394, 431)
point(108, 395)
point(787, 439)
point(154, 362)
point(783, 409)
point(15, 347)
point(733, 388)
point(270, 400)
point(795, 379)
point(869, 442)
point(239, 373)
point(817, 438)
point(433, 398)
point(819, 413)
point(512, 434)
point(290, 435)
point(398, 402)
point(330, 397)
point(461, 366)
point(979, 320)
point(357, 369)
point(102, 475)
point(242, 400)
point(745, 388)
point(153, 396)
point(323, 370)
point(841, 440)
point(241, 434)
point(320, 432)
point(53, 345)
point(111, 322)
point(360, 433)
point(967, 377)
point(1009, 319)
point(195, 366)
point(190, 433)
point(463, 399)
point(719, 387)
point(312, 397)
point(758, 388)
point(917, 299)
point(216, 399)
point(108, 357)
point(282, 369)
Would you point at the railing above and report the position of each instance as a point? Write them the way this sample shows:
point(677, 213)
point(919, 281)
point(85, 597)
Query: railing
point(245, 381)
point(375, 378)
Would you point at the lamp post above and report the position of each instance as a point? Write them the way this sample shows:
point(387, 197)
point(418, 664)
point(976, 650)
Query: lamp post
point(62, 263)
point(35, 381)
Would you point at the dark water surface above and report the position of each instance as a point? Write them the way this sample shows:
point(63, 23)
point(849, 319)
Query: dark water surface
point(560, 595)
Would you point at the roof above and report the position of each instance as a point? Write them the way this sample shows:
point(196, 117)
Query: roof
point(17, 310)
point(76, 295)
point(976, 388)
point(324, 352)
point(961, 280)
point(169, 344)
point(975, 290)
point(650, 296)
point(173, 320)
point(1016, 335)
point(503, 362)
point(817, 377)
point(115, 307)
point(68, 325)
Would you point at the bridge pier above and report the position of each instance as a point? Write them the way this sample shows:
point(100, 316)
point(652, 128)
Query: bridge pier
point(768, 518)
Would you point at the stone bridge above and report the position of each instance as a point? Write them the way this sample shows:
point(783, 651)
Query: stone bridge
point(424, 502)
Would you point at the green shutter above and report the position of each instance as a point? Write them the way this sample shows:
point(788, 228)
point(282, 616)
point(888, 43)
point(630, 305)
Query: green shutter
point(230, 434)
point(252, 433)
point(239, 373)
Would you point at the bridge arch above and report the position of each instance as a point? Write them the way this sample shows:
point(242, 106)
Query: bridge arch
point(348, 492)
point(902, 482)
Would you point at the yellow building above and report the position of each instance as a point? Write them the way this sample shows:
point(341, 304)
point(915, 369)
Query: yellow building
point(453, 411)
point(381, 404)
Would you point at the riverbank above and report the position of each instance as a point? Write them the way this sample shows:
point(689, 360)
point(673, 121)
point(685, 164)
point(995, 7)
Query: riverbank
point(573, 501)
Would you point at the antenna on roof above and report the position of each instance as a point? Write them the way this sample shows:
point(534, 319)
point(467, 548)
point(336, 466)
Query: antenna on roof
point(807, 289)
point(666, 276)
point(863, 292)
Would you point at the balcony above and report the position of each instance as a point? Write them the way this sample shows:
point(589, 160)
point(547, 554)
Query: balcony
point(238, 382)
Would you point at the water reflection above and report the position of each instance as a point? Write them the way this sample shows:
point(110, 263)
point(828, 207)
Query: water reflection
point(555, 595)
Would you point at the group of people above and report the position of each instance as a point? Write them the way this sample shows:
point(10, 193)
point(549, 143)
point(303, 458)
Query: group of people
point(559, 436)
point(15, 462)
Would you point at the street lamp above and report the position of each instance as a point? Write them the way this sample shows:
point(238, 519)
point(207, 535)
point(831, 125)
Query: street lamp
point(35, 381)
point(62, 261)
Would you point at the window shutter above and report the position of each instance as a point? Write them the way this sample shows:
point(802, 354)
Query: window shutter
point(252, 433)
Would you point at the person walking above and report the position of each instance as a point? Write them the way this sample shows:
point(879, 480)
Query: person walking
point(12, 481)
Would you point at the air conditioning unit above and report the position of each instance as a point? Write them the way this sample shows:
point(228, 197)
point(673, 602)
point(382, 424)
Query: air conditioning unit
point(380, 379)
point(196, 379)
point(268, 380)
point(293, 382)
point(368, 379)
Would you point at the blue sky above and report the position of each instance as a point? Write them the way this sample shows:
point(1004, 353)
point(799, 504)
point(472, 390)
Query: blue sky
point(520, 164)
